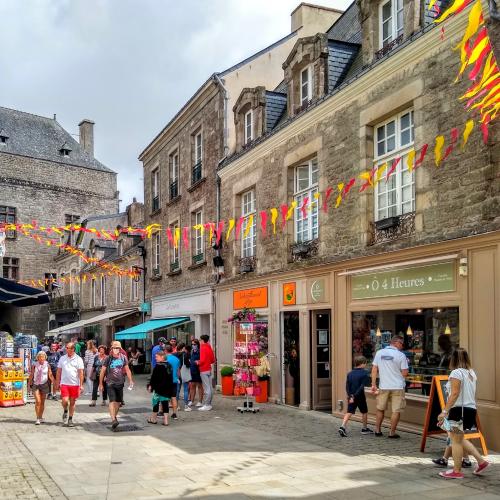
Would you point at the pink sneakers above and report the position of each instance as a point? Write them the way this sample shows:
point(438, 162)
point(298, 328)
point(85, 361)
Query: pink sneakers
point(451, 474)
point(480, 468)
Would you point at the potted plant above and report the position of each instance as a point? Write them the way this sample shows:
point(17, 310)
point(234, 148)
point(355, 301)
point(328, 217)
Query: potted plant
point(263, 384)
point(226, 373)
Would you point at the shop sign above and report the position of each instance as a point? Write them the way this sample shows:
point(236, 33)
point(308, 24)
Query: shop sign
point(250, 298)
point(317, 290)
point(289, 294)
point(435, 278)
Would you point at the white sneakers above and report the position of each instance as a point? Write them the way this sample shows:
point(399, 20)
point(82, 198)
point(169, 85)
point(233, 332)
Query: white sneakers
point(205, 408)
point(38, 421)
point(198, 404)
point(188, 408)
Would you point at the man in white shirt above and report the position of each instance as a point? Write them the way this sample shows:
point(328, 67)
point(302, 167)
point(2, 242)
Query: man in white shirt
point(391, 366)
point(69, 379)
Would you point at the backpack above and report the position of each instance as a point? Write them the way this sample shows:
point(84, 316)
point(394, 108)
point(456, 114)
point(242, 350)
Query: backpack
point(169, 370)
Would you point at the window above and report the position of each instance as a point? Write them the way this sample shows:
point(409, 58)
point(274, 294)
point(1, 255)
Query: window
point(8, 216)
point(10, 268)
point(50, 280)
point(198, 158)
point(306, 185)
point(72, 281)
point(69, 220)
point(305, 86)
point(198, 255)
point(93, 293)
point(429, 338)
point(395, 138)
point(134, 289)
point(174, 175)
point(174, 252)
point(3, 137)
point(156, 253)
point(248, 242)
point(391, 21)
point(248, 126)
point(120, 248)
point(155, 190)
point(119, 289)
point(103, 290)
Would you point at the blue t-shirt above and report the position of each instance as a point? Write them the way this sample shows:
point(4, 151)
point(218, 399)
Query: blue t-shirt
point(155, 349)
point(175, 363)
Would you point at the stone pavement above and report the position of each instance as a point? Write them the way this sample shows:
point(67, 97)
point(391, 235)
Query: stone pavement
point(278, 453)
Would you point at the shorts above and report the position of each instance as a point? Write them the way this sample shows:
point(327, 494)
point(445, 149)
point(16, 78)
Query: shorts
point(196, 378)
point(43, 388)
point(360, 403)
point(174, 390)
point(395, 396)
point(469, 420)
point(70, 391)
point(115, 393)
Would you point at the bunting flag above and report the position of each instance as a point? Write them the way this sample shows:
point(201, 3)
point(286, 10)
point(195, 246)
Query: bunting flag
point(328, 193)
point(185, 236)
point(238, 227)
point(230, 228)
point(177, 237)
point(368, 178)
point(303, 207)
point(248, 226)
point(286, 213)
point(438, 148)
point(219, 232)
point(169, 236)
point(274, 218)
point(421, 158)
point(454, 138)
point(263, 223)
point(394, 165)
point(467, 131)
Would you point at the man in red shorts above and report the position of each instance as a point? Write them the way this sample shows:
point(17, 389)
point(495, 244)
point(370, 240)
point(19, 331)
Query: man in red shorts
point(69, 379)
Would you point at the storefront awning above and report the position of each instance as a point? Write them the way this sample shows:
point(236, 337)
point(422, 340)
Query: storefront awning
point(89, 321)
point(21, 295)
point(139, 332)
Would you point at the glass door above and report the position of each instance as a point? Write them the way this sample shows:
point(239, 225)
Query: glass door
point(291, 359)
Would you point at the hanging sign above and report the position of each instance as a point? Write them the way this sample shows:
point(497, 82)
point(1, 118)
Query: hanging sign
point(250, 298)
point(289, 294)
point(434, 278)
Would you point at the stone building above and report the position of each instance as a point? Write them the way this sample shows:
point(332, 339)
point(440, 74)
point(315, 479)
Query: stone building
point(48, 177)
point(180, 177)
point(92, 302)
point(417, 255)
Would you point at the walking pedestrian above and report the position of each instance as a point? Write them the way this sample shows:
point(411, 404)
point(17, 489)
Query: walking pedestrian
point(459, 414)
point(174, 362)
point(78, 346)
point(443, 461)
point(114, 370)
point(207, 359)
point(160, 346)
point(161, 386)
point(185, 375)
point(391, 366)
point(356, 381)
point(196, 385)
point(53, 357)
point(99, 360)
point(88, 364)
point(69, 380)
point(39, 380)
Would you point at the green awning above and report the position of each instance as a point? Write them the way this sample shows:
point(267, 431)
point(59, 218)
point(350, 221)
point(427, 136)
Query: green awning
point(139, 332)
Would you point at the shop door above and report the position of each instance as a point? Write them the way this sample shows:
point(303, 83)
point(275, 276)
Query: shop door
point(291, 359)
point(321, 361)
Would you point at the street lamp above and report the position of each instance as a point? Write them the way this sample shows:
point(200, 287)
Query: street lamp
point(141, 251)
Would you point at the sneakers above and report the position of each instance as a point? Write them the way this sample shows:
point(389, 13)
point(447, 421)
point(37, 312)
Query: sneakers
point(198, 404)
point(451, 474)
point(366, 430)
point(481, 468)
point(114, 424)
point(205, 408)
point(65, 416)
point(378, 434)
point(190, 403)
point(38, 421)
point(342, 431)
point(174, 416)
point(70, 422)
point(442, 462)
point(188, 408)
point(466, 463)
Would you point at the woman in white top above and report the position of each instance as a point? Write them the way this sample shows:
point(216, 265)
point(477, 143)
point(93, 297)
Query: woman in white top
point(461, 407)
point(88, 363)
point(39, 379)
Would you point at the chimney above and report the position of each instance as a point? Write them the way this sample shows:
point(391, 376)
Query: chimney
point(309, 19)
point(87, 136)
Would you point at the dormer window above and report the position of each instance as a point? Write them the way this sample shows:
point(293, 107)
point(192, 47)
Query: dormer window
point(65, 150)
point(3, 137)
point(391, 21)
point(248, 127)
point(305, 86)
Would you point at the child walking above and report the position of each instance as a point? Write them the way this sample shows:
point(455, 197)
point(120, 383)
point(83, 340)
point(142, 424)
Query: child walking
point(161, 385)
point(356, 381)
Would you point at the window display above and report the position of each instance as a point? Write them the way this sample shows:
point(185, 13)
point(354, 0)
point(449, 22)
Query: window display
point(430, 336)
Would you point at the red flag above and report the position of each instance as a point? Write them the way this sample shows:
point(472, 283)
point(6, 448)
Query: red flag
point(219, 231)
point(303, 207)
point(393, 168)
point(263, 222)
point(328, 193)
point(238, 227)
point(169, 236)
point(420, 160)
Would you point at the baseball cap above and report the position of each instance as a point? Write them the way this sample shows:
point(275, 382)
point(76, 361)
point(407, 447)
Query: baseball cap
point(173, 338)
point(162, 340)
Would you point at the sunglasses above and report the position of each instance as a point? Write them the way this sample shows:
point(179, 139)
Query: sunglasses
point(115, 348)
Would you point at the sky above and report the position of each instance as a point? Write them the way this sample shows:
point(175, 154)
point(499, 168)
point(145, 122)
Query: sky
point(128, 65)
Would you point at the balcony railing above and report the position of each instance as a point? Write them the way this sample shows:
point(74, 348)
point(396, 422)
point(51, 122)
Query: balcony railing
point(392, 228)
point(196, 173)
point(304, 250)
point(69, 302)
point(155, 205)
point(174, 190)
point(198, 258)
point(388, 47)
point(247, 264)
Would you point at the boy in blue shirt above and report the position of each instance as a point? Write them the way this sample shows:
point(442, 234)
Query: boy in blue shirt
point(175, 363)
point(355, 384)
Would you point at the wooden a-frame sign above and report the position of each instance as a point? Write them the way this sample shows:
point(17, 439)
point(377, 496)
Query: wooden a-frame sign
point(437, 400)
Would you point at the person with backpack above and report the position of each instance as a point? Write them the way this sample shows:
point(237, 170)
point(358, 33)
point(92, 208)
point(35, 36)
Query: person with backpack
point(161, 386)
point(114, 369)
point(173, 360)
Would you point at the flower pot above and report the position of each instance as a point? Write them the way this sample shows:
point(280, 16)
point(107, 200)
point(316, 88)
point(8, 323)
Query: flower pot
point(262, 397)
point(227, 385)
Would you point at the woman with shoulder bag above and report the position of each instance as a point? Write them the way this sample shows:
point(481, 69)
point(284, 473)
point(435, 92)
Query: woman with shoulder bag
point(185, 379)
point(39, 379)
point(99, 361)
point(459, 413)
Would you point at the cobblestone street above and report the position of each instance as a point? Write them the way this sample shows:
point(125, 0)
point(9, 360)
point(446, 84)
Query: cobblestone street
point(278, 453)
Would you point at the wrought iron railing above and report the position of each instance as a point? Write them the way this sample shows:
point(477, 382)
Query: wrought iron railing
point(196, 175)
point(174, 190)
point(388, 47)
point(404, 227)
point(155, 205)
point(65, 302)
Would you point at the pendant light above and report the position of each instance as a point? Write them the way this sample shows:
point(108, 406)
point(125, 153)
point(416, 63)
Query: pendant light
point(409, 331)
point(378, 333)
point(447, 330)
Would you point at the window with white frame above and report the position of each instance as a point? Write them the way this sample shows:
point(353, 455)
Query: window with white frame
point(72, 281)
point(394, 138)
point(174, 252)
point(134, 289)
point(155, 242)
point(248, 126)
point(155, 190)
point(305, 86)
point(391, 21)
point(93, 293)
point(198, 254)
point(174, 174)
point(306, 186)
point(103, 290)
point(119, 289)
point(248, 242)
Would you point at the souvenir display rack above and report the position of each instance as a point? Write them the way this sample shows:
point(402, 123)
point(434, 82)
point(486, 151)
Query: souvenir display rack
point(12, 382)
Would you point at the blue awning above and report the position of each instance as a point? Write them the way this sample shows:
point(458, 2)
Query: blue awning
point(139, 332)
point(21, 295)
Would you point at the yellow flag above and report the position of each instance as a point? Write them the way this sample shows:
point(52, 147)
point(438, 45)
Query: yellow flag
point(475, 21)
point(340, 187)
point(177, 236)
point(274, 218)
point(457, 4)
point(290, 210)
point(438, 148)
point(380, 171)
point(467, 131)
point(410, 160)
point(230, 228)
point(248, 226)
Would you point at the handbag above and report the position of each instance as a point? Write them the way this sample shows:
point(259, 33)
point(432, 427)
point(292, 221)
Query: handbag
point(453, 425)
point(185, 373)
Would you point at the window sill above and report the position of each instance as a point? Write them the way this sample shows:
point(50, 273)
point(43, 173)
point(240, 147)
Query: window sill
point(196, 184)
point(174, 200)
point(156, 277)
point(198, 265)
point(174, 273)
point(156, 212)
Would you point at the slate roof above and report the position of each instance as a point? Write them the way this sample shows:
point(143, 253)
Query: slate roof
point(41, 137)
point(340, 58)
point(275, 108)
point(347, 27)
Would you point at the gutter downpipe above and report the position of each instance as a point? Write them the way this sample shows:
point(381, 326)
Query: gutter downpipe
point(218, 212)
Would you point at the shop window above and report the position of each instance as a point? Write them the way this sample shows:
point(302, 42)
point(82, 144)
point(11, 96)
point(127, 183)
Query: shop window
point(430, 335)
point(306, 186)
point(394, 138)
